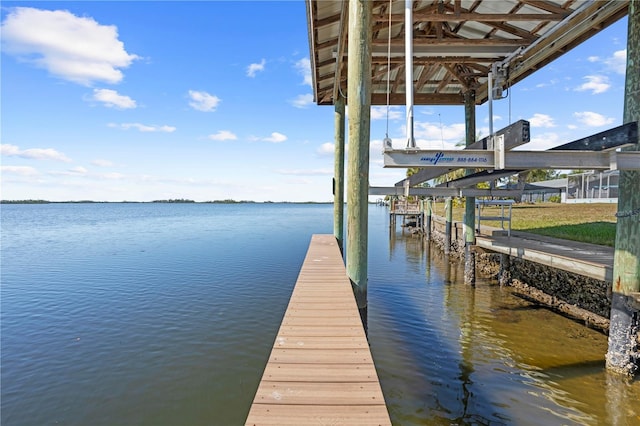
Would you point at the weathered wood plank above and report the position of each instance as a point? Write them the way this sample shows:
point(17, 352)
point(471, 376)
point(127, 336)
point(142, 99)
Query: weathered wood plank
point(318, 393)
point(296, 415)
point(322, 330)
point(319, 373)
point(320, 342)
point(321, 356)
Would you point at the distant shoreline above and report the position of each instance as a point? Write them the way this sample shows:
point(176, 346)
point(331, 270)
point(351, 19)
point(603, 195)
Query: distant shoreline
point(176, 201)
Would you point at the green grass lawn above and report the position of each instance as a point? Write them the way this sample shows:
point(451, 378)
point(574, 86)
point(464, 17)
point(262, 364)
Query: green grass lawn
point(589, 223)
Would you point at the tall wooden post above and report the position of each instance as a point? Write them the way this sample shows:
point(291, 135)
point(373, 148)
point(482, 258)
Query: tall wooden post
point(623, 355)
point(338, 182)
point(448, 210)
point(470, 203)
point(429, 214)
point(359, 104)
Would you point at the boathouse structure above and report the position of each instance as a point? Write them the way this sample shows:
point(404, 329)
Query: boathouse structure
point(470, 52)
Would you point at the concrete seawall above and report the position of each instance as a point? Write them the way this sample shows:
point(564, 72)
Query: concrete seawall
point(581, 297)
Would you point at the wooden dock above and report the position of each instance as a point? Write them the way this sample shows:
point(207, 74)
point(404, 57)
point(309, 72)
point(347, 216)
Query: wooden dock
point(320, 370)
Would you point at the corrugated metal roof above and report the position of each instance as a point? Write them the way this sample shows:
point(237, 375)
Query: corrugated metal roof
point(455, 43)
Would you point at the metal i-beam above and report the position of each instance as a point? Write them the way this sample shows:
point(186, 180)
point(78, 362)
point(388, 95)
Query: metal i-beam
point(515, 135)
point(482, 159)
point(443, 192)
point(605, 140)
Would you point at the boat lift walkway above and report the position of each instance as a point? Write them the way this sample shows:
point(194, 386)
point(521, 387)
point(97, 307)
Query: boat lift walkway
point(585, 259)
point(320, 370)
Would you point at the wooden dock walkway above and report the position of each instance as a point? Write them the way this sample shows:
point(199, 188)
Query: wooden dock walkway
point(320, 370)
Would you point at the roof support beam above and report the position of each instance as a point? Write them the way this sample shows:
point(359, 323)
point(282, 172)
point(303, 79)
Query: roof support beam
point(477, 17)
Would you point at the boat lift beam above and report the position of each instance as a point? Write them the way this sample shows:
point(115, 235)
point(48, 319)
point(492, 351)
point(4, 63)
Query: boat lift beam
point(443, 192)
point(484, 159)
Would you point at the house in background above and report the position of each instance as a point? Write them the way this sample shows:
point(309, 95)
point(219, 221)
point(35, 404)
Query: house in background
point(588, 187)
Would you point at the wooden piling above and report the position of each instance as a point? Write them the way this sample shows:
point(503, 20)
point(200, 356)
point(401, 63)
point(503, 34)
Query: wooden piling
point(429, 213)
point(448, 207)
point(359, 106)
point(338, 189)
point(623, 355)
point(469, 210)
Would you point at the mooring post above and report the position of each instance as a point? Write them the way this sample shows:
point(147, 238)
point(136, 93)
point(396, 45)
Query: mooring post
point(448, 208)
point(429, 213)
point(470, 202)
point(623, 355)
point(359, 104)
point(338, 189)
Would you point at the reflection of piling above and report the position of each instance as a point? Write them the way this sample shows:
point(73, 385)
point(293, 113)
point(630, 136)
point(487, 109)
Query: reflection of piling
point(504, 276)
point(447, 231)
point(469, 242)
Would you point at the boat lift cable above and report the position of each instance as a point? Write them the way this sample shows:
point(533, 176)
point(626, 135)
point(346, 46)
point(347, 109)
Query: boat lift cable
point(408, 41)
point(387, 140)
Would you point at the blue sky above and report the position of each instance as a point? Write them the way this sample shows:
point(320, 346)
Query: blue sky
point(209, 100)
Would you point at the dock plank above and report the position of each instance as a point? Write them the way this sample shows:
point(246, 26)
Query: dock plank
point(296, 415)
point(320, 370)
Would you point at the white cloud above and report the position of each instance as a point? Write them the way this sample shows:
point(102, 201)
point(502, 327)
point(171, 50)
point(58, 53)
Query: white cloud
point(541, 120)
point(73, 48)
point(33, 153)
point(618, 62)
point(380, 113)
point(203, 101)
point(595, 83)
point(593, 119)
point(112, 99)
point(303, 67)
point(593, 59)
point(541, 142)
point(302, 101)
point(305, 172)
point(252, 69)
point(326, 149)
point(102, 163)
point(111, 176)
point(79, 169)
point(19, 170)
point(275, 138)
point(223, 135)
point(143, 127)
point(434, 133)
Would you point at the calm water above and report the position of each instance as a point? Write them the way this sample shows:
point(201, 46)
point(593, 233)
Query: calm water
point(164, 314)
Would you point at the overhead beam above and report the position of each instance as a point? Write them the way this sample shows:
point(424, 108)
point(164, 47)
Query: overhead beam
point(443, 192)
point(342, 47)
point(515, 134)
point(419, 99)
point(485, 159)
point(606, 140)
point(591, 18)
point(473, 16)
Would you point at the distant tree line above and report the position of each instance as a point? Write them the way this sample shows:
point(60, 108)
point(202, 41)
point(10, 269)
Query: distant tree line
point(174, 200)
point(24, 202)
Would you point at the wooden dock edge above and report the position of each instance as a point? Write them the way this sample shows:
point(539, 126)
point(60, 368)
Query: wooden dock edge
point(320, 370)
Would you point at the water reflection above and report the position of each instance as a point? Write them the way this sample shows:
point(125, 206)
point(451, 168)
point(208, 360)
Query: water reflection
point(449, 353)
